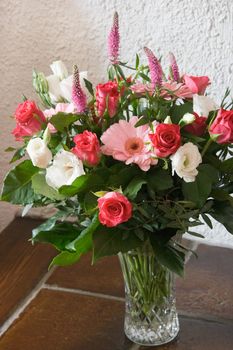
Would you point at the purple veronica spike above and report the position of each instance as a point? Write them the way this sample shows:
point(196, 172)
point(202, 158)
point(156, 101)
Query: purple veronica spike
point(174, 67)
point(78, 96)
point(114, 40)
point(156, 71)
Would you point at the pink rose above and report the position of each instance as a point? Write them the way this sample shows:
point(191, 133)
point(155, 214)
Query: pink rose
point(166, 139)
point(198, 127)
point(27, 111)
point(114, 208)
point(223, 126)
point(29, 120)
point(197, 85)
point(87, 147)
point(107, 97)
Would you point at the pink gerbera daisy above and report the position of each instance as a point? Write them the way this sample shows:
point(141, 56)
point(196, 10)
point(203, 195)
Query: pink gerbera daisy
point(127, 143)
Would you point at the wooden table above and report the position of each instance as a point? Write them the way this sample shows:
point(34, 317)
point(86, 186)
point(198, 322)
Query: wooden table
point(82, 307)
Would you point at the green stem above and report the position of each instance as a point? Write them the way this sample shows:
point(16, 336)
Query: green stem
point(208, 143)
point(148, 282)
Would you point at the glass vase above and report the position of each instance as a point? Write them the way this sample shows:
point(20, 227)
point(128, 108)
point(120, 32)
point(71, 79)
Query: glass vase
point(150, 308)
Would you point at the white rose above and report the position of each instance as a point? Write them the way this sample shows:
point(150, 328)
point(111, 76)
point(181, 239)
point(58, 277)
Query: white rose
point(185, 162)
point(39, 153)
point(65, 169)
point(203, 105)
point(59, 69)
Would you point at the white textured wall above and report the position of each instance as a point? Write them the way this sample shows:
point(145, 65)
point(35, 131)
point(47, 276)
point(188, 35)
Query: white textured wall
point(36, 32)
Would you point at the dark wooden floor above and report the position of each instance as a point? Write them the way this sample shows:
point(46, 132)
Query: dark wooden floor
point(82, 307)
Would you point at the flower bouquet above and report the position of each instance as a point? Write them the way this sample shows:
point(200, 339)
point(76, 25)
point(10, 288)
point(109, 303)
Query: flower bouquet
point(129, 166)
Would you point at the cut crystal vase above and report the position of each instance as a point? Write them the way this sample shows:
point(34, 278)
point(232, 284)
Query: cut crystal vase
point(150, 308)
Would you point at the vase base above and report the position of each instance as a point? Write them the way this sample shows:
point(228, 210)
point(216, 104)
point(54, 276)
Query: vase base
point(158, 343)
point(148, 337)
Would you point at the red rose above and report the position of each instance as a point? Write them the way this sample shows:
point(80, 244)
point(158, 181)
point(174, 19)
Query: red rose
point(87, 147)
point(114, 208)
point(29, 120)
point(223, 126)
point(198, 127)
point(197, 85)
point(166, 139)
point(107, 97)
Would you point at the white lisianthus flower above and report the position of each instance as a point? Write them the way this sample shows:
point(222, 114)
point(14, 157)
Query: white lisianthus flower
point(66, 85)
point(203, 105)
point(59, 69)
point(39, 153)
point(60, 83)
point(55, 92)
point(185, 162)
point(65, 169)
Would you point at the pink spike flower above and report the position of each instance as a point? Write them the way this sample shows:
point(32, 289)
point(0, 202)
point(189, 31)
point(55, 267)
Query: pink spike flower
point(114, 40)
point(79, 97)
point(174, 67)
point(156, 71)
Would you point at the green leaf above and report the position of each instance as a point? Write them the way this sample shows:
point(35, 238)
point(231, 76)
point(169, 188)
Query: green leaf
point(47, 225)
point(159, 179)
point(222, 195)
point(62, 121)
point(227, 165)
point(41, 187)
point(142, 121)
point(90, 202)
point(17, 187)
point(81, 245)
point(20, 153)
point(122, 177)
point(94, 181)
point(59, 235)
point(111, 73)
point(9, 149)
point(168, 256)
point(78, 185)
point(195, 234)
point(199, 190)
point(83, 242)
point(120, 71)
point(223, 213)
point(178, 111)
point(65, 259)
point(111, 241)
point(134, 187)
point(207, 220)
point(137, 61)
point(89, 86)
point(144, 77)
